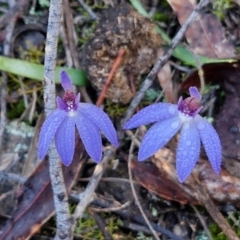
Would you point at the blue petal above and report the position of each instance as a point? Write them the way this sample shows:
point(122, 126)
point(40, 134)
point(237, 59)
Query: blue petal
point(195, 93)
point(66, 81)
point(211, 142)
point(188, 150)
point(61, 104)
point(152, 113)
point(91, 137)
point(157, 136)
point(48, 131)
point(77, 99)
point(65, 140)
point(100, 119)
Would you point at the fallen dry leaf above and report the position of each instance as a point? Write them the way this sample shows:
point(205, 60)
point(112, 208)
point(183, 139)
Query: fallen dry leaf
point(35, 199)
point(32, 159)
point(158, 182)
point(205, 35)
point(206, 186)
point(162, 180)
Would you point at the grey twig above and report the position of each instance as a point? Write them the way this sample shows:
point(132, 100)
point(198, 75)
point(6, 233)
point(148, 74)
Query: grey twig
point(86, 197)
point(56, 175)
point(89, 10)
point(3, 107)
point(12, 176)
point(66, 47)
point(6, 51)
point(202, 195)
point(161, 61)
point(113, 209)
point(203, 222)
point(134, 190)
point(102, 226)
point(128, 213)
point(14, 12)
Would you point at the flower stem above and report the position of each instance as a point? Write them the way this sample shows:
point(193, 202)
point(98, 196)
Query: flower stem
point(55, 168)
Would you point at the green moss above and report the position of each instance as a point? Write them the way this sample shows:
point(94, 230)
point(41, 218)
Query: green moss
point(33, 54)
point(88, 227)
point(221, 6)
point(161, 17)
point(86, 33)
point(233, 220)
point(216, 232)
point(115, 109)
point(141, 236)
point(16, 109)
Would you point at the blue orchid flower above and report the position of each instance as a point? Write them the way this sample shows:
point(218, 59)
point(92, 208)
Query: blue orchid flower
point(60, 125)
point(170, 118)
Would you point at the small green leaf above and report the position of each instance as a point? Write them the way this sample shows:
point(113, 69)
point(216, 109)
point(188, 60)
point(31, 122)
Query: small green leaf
point(36, 71)
point(179, 52)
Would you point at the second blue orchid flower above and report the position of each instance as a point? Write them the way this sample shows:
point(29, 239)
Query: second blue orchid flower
point(60, 125)
point(170, 118)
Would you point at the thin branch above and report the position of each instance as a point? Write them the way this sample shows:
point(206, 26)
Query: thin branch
point(124, 213)
point(102, 226)
point(110, 179)
point(25, 99)
point(134, 191)
point(3, 119)
point(203, 223)
point(200, 70)
point(89, 10)
point(12, 176)
point(66, 47)
point(133, 137)
point(87, 196)
point(14, 12)
point(115, 66)
point(34, 102)
point(59, 190)
point(203, 196)
point(112, 209)
point(6, 50)
point(161, 61)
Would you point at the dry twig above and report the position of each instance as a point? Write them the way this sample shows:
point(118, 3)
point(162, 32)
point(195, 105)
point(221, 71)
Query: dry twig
point(112, 209)
point(202, 222)
point(15, 11)
point(110, 76)
point(86, 197)
point(205, 199)
point(89, 10)
point(6, 51)
point(124, 213)
point(110, 179)
point(66, 47)
point(134, 191)
point(161, 61)
point(59, 190)
point(102, 226)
